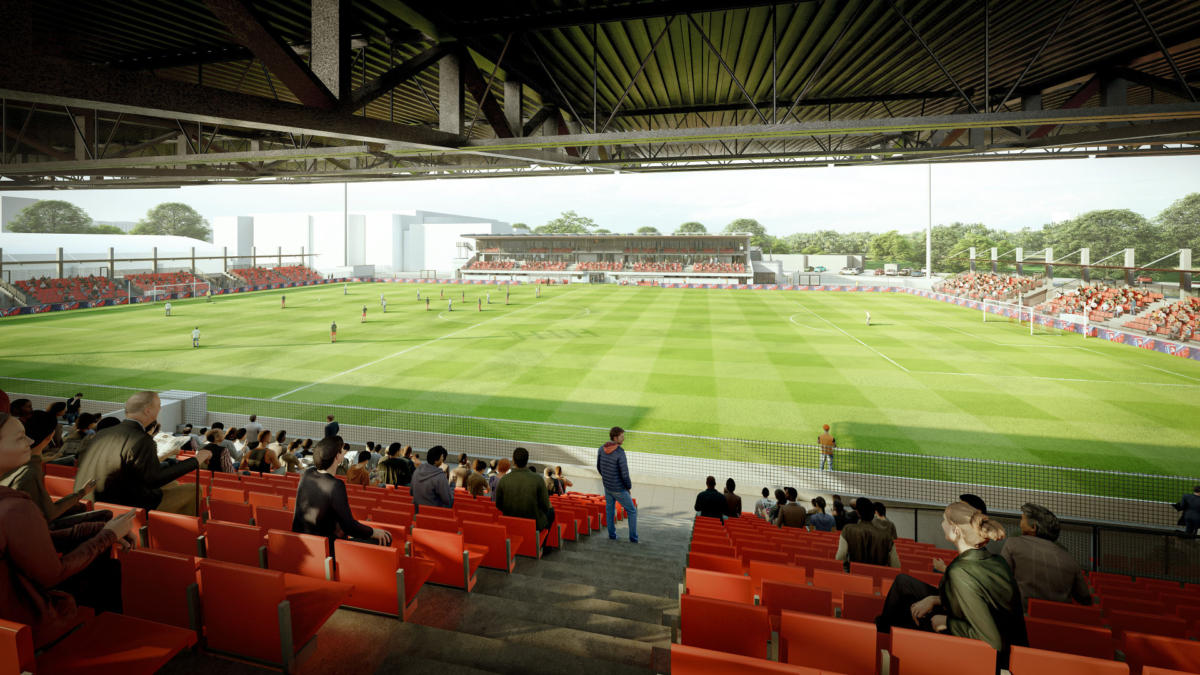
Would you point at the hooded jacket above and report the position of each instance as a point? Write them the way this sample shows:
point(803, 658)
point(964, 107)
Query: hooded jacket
point(430, 487)
point(613, 468)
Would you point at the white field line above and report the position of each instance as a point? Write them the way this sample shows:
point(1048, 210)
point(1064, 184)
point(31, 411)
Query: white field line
point(408, 349)
point(889, 360)
point(1010, 344)
point(1171, 372)
point(792, 318)
point(1063, 379)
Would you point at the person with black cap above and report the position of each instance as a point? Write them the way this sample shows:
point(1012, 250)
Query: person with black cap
point(862, 542)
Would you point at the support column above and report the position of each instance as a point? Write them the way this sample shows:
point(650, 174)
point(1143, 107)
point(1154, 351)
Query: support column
point(1028, 103)
point(1, 264)
point(1020, 261)
point(971, 256)
point(1050, 265)
point(112, 263)
point(225, 259)
point(1112, 93)
point(513, 98)
point(977, 138)
point(254, 256)
point(59, 263)
point(331, 45)
point(81, 143)
point(193, 261)
point(280, 256)
point(1130, 276)
point(450, 95)
point(1185, 263)
point(1085, 259)
point(154, 267)
point(995, 258)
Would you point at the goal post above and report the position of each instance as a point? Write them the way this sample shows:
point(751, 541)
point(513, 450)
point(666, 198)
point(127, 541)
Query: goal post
point(995, 311)
point(161, 292)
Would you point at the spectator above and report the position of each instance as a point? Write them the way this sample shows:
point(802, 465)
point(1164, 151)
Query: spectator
point(502, 468)
point(322, 507)
point(780, 501)
point(1189, 506)
point(458, 477)
point(564, 483)
point(222, 459)
point(817, 518)
point(790, 514)
point(839, 512)
point(763, 506)
point(429, 486)
point(21, 409)
point(358, 473)
point(253, 428)
point(711, 503)
point(1042, 568)
point(5, 404)
point(123, 460)
point(827, 443)
point(30, 479)
point(882, 522)
point(331, 428)
point(862, 542)
point(73, 405)
point(978, 597)
point(395, 469)
point(279, 444)
point(733, 503)
point(551, 483)
point(77, 440)
point(106, 423)
point(259, 456)
point(477, 483)
point(523, 494)
point(289, 458)
point(37, 587)
point(614, 474)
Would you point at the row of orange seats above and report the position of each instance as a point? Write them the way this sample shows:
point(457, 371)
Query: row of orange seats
point(297, 273)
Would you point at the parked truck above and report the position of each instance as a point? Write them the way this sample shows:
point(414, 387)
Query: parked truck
point(891, 269)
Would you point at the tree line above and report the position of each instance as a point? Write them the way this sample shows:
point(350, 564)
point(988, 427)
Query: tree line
point(1104, 232)
point(58, 217)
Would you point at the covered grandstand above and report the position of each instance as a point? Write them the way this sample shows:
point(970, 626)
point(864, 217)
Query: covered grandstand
point(611, 258)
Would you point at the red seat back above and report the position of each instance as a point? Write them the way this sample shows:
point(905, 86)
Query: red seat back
point(1156, 624)
point(725, 626)
point(1144, 649)
point(174, 532)
point(392, 516)
point(235, 543)
point(1028, 661)
point(16, 648)
point(839, 582)
point(811, 563)
point(303, 554)
point(426, 522)
point(715, 563)
point(241, 609)
point(1069, 637)
point(495, 538)
point(761, 571)
point(372, 569)
point(696, 661)
point(231, 512)
point(237, 495)
point(861, 606)
point(780, 595)
point(1064, 611)
point(828, 643)
point(271, 499)
point(916, 652)
point(709, 584)
point(526, 529)
point(270, 518)
point(159, 586)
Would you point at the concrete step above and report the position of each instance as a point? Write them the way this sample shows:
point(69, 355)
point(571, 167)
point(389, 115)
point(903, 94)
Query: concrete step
point(617, 557)
point(571, 595)
point(650, 583)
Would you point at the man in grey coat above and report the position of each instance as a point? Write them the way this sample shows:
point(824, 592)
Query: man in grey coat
point(614, 472)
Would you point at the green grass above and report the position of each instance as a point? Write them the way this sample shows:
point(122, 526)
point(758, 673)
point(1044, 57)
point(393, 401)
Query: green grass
point(926, 377)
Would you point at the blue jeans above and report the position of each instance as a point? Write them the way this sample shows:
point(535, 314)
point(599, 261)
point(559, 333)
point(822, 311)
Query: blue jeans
point(826, 459)
point(610, 498)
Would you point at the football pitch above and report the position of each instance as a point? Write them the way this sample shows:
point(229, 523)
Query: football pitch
point(925, 377)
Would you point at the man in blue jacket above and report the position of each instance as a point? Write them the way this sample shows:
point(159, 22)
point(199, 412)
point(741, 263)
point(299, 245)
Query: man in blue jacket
point(614, 472)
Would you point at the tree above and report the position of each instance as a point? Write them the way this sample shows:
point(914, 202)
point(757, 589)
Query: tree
point(601, 230)
point(52, 216)
point(174, 218)
point(105, 229)
point(691, 227)
point(891, 246)
point(1180, 225)
point(646, 229)
point(757, 231)
point(567, 223)
point(524, 229)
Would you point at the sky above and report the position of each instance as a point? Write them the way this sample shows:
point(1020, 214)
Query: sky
point(1008, 195)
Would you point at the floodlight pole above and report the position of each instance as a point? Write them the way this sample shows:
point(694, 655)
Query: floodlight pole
point(929, 225)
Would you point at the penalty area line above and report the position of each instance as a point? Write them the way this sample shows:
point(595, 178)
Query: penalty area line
point(1060, 379)
point(889, 360)
point(407, 350)
point(1171, 372)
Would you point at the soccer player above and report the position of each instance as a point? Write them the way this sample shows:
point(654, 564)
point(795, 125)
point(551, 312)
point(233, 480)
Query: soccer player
point(538, 291)
point(333, 332)
point(208, 295)
point(868, 318)
point(489, 297)
point(282, 301)
point(479, 301)
point(345, 289)
point(364, 315)
point(381, 300)
point(385, 306)
point(195, 337)
point(450, 305)
point(426, 304)
point(418, 295)
point(168, 308)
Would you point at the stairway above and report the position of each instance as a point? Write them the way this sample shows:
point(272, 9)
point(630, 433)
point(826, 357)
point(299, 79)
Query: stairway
point(595, 606)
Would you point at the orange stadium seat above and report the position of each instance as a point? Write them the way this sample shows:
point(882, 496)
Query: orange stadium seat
point(272, 518)
point(496, 540)
point(1028, 661)
point(174, 532)
point(709, 584)
point(861, 606)
point(839, 582)
point(1156, 624)
point(916, 652)
point(378, 573)
point(455, 561)
point(696, 661)
point(236, 543)
point(160, 586)
point(109, 644)
point(526, 530)
point(777, 596)
point(303, 554)
point(231, 512)
point(1065, 611)
point(733, 627)
point(715, 563)
point(828, 643)
point(1144, 649)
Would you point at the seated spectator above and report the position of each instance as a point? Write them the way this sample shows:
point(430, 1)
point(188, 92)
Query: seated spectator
point(1042, 568)
point(711, 503)
point(30, 479)
point(1189, 511)
point(558, 475)
point(790, 514)
point(289, 459)
point(523, 494)
point(37, 586)
point(106, 423)
point(322, 507)
point(222, 456)
point(460, 473)
point(21, 409)
point(763, 506)
point(817, 518)
point(978, 597)
point(58, 409)
point(862, 542)
point(733, 503)
point(839, 513)
point(77, 440)
point(882, 522)
point(551, 484)
point(429, 486)
point(395, 469)
point(502, 468)
point(780, 500)
point(74, 404)
point(477, 483)
point(358, 474)
point(123, 461)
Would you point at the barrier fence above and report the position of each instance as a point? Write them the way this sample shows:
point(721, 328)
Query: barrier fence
point(1089, 494)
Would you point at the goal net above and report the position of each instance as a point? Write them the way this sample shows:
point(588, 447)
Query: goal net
point(161, 292)
point(1037, 323)
point(428, 274)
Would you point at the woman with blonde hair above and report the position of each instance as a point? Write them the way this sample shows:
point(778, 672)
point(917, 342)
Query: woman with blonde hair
point(978, 596)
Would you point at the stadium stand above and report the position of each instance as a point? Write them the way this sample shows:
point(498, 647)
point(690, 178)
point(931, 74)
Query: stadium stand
point(543, 266)
point(719, 268)
point(71, 289)
point(657, 267)
point(492, 265)
point(259, 276)
point(1178, 321)
point(148, 281)
point(1100, 302)
point(988, 286)
point(297, 273)
point(600, 266)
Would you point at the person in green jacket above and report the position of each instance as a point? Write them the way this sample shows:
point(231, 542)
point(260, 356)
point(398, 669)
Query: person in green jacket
point(978, 596)
point(523, 494)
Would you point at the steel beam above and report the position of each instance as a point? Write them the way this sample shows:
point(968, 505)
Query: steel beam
point(1154, 82)
point(396, 76)
point(481, 91)
point(821, 102)
point(1076, 101)
point(514, 99)
point(251, 30)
